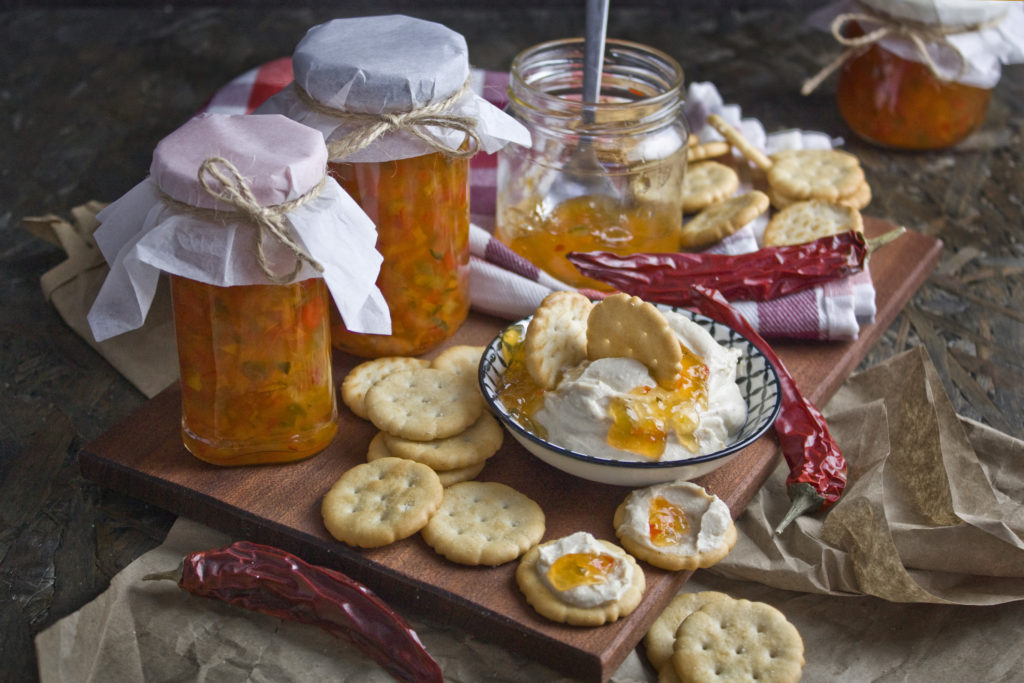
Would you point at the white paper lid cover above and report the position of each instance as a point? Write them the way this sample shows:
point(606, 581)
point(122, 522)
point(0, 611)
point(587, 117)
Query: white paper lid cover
point(947, 12)
point(380, 64)
point(279, 158)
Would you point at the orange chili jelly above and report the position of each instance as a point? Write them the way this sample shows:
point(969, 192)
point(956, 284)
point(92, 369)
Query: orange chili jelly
point(587, 223)
point(668, 523)
point(420, 206)
point(580, 569)
point(255, 363)
point(899, 103)
point(642, 421)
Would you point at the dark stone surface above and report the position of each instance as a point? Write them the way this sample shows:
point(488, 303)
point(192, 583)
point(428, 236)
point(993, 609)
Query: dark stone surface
point(88, 91)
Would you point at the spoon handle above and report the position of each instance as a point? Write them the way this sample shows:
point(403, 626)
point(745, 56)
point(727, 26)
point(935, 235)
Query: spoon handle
point(593, 55)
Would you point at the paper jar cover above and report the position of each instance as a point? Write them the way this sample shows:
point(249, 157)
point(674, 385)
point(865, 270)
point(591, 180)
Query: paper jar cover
point(999, 39)
point(389, 64)
point(279, 160)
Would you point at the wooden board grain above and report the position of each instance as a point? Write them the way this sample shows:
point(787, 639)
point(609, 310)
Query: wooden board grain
point(144, 457)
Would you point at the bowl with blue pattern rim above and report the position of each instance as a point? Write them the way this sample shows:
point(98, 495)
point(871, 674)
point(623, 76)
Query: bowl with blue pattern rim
point(757, 378)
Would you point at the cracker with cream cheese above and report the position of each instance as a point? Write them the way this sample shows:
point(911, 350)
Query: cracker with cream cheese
point(675, 526)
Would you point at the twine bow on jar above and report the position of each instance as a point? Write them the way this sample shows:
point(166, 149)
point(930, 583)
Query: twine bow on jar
point(233, 189)
point(884, 25)
point(370, 127)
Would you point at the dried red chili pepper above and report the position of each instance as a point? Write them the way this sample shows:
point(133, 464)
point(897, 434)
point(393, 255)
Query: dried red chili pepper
point(759, 275)
point(271, 581)
point(817, 468)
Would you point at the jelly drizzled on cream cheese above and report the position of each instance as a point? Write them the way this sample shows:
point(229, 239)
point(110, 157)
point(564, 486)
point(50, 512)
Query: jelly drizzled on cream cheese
point(582, 571)
point(612, 408)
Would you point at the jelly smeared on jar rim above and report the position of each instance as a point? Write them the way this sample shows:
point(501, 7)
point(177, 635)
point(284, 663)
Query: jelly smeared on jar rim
point(573, 570)
point(668, 523)
point(641, 421)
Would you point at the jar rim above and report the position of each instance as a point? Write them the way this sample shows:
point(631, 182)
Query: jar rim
point(568, 52)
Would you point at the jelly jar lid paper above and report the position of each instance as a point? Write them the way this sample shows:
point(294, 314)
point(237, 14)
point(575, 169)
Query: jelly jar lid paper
point(152, 230)
point(390, 64)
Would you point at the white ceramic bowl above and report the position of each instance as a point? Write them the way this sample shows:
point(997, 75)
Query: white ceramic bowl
point(757, 379)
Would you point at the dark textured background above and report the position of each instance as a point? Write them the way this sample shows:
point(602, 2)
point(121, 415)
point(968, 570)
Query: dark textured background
point(89, 88)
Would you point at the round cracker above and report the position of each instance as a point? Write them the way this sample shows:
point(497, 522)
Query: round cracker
point(737, 140)
point(707, 150)
point(706, 183)
point(484, 523)
point(556, 337)
point(659, 641)
point(462, 359)
point(809, 220)
point(378, 449)
point(722, 219)
point(423, 404)
point(380, 502)
point(363, 376)
point(548, 605)
point(815, 173)
point(625, 326)
point(858, 199)
point(471, 446)
point(728, 640)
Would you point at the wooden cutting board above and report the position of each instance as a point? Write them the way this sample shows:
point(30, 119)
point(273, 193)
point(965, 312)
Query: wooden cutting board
point(279, 505)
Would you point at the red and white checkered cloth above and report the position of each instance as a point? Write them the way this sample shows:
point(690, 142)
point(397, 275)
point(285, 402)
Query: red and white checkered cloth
point(504, 284)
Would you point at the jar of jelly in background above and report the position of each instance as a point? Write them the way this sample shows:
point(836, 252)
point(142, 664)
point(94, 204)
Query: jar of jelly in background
point(919, 74)
point(392, 96)
point(245, 227)
point(626, 197)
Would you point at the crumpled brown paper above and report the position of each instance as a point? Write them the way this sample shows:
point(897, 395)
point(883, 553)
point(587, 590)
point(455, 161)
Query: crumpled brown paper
point(961, 545)
point(932, 512)
point(147, 357)
point(151, 630)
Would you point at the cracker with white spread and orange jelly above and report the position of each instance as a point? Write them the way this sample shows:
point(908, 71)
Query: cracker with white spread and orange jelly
point(675, 526)
point(581, 580)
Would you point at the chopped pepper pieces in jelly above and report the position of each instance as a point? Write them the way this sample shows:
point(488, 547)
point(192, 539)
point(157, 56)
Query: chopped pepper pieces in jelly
point(900, 103)
point(255, 365)
point(668, 523)
point(420, 206)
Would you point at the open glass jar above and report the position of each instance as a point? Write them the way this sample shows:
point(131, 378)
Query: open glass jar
point(626, 195)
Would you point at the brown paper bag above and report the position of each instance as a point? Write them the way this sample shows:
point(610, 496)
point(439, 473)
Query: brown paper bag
point(147, 357)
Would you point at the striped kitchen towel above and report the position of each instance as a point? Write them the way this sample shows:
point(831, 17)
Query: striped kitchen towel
point(506, 285)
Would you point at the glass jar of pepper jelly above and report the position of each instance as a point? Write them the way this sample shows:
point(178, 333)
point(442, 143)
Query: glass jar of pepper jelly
point(923, 94)
point(246, 229)
point(393, 98)
point(597, 177)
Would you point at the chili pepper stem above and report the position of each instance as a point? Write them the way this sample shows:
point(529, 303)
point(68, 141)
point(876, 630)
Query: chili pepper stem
point(884, 239)
point(170, 575)
point(803, 499)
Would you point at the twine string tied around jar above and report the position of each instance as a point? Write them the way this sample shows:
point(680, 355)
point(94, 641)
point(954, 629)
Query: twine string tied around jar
point(885, 25)
point(370, 127)
point(271, 220)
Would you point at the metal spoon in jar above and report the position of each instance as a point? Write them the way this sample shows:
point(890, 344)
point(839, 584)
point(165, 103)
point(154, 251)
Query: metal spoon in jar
point(583, 173)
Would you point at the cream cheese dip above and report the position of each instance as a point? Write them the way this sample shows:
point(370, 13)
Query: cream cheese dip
point(580, 413)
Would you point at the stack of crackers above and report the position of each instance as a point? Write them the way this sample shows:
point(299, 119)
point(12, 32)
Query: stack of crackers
point(816, 193)
point(710, 636)
point(435, 438)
